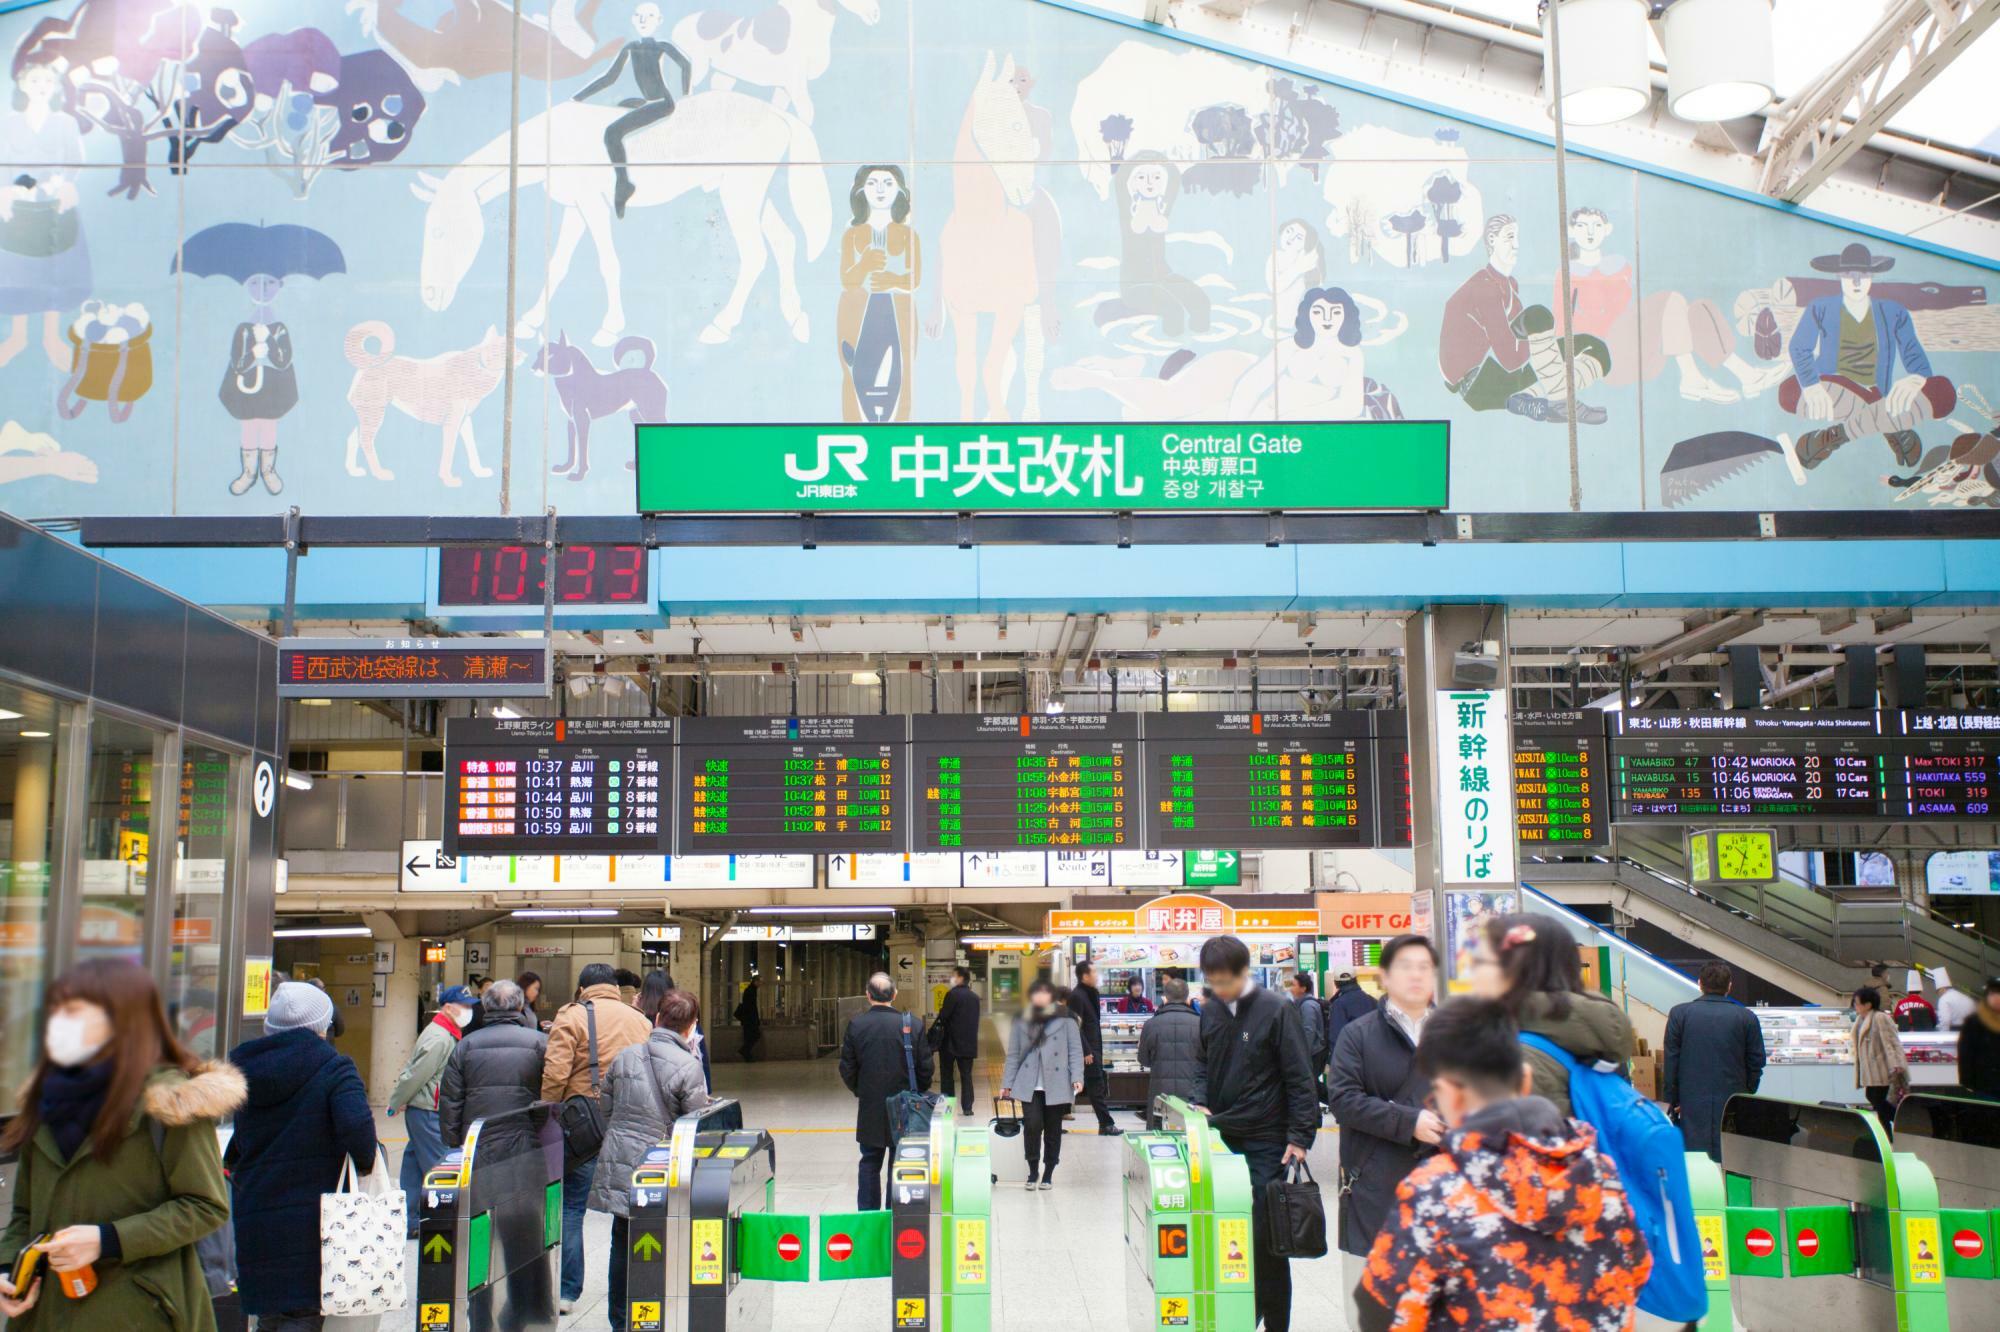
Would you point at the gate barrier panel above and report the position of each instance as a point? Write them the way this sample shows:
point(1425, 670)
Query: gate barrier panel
point(1711, 1222)
point(1189, 1258)
point(490, 1231)
point(656, 1258)
point(1959, 1139)
point(1828, 1228)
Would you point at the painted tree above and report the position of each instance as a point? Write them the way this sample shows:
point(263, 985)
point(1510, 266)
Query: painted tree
point(1409, 225)
point(1443, 193)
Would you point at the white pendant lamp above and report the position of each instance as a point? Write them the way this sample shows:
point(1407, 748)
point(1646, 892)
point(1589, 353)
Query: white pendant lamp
point(1721, 58)
point(1606, 69)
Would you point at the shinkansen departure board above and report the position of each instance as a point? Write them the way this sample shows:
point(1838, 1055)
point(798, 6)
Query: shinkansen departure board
point(1946, 765)
point(1559, 789)
point(547, 785)
point(1773, 766)
point(791, 784)
point(1263, 779)
point(1026, 783)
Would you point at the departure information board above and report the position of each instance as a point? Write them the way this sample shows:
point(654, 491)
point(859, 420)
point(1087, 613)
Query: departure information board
point(753, 784)
point(1559, 789)
point(1263, 779)
point(1395, 810)
point(1027, 783)
point(547, 785)
point(1762, 766)
point(1946, 764)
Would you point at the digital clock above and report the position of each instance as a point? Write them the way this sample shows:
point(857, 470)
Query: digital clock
point(512, 575)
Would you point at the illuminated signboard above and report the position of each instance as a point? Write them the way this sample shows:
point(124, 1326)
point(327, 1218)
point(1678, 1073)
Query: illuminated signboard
point(1559, 788)
point(791, 783)
point(1945, 765)
point(553, 786)
point(1026, 783)
point(412, 667)
point(512, 575)
point(1262, 779)
point(1129, 465)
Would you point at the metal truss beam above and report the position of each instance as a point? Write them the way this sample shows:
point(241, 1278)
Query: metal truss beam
point(1811, 133)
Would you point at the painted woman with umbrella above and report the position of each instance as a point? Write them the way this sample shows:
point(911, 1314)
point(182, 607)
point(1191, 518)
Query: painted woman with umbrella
point(259, 385)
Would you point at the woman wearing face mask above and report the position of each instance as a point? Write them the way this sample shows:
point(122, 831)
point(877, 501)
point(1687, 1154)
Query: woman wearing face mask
point(118, 1161)
point(1044, 1072)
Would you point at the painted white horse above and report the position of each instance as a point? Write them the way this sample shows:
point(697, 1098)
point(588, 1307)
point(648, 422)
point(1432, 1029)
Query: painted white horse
point(783, 47)
point(718, 142)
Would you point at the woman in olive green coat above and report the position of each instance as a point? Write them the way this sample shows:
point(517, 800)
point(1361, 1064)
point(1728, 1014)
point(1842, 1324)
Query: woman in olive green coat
point(115, 1193)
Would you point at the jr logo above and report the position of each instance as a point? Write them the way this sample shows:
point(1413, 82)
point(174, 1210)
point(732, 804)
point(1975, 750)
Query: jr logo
point(850, 451)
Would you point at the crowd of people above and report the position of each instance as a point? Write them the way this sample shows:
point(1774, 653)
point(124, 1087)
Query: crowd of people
point(1470, 1165)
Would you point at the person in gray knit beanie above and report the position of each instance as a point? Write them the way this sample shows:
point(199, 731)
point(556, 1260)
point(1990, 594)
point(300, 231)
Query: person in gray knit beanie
point(295, 1005)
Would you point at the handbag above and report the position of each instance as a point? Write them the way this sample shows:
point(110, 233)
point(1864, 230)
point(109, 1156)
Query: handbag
point(362, 1249)
point(116, 374)
point(1297, 1214)
point(582, 1116)
point(910, 1110)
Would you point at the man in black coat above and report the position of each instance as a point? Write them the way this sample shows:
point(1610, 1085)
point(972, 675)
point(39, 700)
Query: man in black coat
point(875, 1066)
point(1715, 1048)
point(1347, 1002)
point(1170, 1048)
point(955, 1037)
point(1377, 1095)
point(494, 1070)
point(1085, 1002)
point(1256, 1079)
point(749, 1021)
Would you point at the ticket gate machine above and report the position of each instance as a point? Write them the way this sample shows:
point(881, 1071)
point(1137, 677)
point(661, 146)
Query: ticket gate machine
point(1189, 1260)
point(1959, 1139)
point(941, 1240)
point(664, 1272)
point(490, 1232)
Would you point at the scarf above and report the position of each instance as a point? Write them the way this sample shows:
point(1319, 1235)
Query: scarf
point(71, 1101)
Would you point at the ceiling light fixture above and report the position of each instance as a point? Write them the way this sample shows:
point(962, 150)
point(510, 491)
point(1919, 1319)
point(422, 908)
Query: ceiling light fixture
point(34, 735)
point(326, 932)
point(553, 913)
point(1721, 58)
point(298, 781)
point(821, 911)
point(1607, 70)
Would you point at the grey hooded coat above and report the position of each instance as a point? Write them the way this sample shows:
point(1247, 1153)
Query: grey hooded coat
point(650, 1085)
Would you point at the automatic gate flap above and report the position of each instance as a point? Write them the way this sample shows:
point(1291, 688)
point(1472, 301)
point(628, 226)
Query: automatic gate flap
point(1968, 1244)
point(1754, 1236)
point(853, 1245)
point(774, 1246)
point(1819, 1241)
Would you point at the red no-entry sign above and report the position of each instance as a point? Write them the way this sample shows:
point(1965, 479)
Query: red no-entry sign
point(839, 1247)
point(789, 1248)
point(1968, 1244)
point(1808, 1243)
point(1760, 1242)
point(910, 1243)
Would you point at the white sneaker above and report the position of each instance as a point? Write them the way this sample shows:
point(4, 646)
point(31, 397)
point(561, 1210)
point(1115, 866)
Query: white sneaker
point(566, 1306)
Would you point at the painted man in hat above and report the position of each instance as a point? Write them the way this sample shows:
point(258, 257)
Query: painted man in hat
point(1845, 355)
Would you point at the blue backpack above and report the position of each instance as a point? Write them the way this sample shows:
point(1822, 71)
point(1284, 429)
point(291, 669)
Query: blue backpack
point(1652, 1162)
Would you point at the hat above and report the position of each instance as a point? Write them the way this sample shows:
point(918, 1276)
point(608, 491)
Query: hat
point(1856, 258)
point(458, 994)
point(297, 1006)
point(1344, 976)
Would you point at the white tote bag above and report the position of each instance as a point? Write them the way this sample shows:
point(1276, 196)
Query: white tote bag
point(362, 1245)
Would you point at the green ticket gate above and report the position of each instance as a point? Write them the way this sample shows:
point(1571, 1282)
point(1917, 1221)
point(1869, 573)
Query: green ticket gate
point(1959, 1139)
point(661, 1263)
point(1827, 1227)
point(490, 1230)
point(1189, 1259)
point(1711, 1223)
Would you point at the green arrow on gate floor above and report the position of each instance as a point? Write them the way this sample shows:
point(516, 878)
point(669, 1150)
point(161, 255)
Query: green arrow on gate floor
point(646, 1246)
point(437, 1248)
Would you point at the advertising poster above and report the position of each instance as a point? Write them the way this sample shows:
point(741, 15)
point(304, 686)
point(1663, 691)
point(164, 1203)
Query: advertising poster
point(1232, 1239)
point(705, 1254)
point(1714, 1262)
point(1464, 913)
point(969, 1252)
point(1922, 1246)
point(1961, 873)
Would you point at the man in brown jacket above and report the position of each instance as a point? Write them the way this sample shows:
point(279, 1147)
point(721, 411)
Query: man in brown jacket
point(566, 1073)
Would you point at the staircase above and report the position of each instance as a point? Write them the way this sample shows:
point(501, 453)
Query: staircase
point(1816, 943)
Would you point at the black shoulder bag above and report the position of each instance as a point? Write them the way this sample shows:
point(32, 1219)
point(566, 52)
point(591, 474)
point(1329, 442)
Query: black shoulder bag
point(1297, 1214)
point(582, 1116)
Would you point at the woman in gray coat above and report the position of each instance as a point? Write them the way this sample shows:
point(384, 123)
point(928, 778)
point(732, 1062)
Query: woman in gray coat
point(1044, 1072)
point(647, 1088)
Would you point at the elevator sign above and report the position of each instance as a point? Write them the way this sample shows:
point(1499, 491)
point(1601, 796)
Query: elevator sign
point(1043, 467)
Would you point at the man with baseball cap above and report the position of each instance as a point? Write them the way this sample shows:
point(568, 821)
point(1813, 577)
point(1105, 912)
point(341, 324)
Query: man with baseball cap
point(416, 1091)
point(1845, 355)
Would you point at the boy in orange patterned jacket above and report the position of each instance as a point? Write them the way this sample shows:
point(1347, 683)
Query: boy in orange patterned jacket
point(1517, 1224)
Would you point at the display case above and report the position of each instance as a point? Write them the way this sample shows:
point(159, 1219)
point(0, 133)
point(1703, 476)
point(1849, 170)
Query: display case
point(1809, 1055)
point(1126, 1079)
point(1933, 1057)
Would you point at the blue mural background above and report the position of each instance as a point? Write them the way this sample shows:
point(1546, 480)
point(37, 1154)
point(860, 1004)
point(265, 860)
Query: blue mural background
point(1100, 224)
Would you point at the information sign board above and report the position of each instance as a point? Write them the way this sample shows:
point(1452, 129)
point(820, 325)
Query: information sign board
point(1262, 779)
point(784, 783)
point(413, 667)
point(1560, 799)
point(555, 786)
point(1026, 783)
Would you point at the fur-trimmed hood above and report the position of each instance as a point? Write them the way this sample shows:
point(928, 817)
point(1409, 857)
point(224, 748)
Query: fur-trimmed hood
point(215, 1092)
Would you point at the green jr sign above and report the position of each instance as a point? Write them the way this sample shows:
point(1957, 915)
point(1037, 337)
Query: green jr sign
point(1212, 869)
point(1042, 467)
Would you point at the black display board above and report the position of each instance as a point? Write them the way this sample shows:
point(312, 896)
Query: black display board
point(1034, 783)
point(1755, 766)
point(1560, 793)
point(1395, 812)
point(552, 786)
point(1261, 779)
point(1944, 765)
point(752, 784)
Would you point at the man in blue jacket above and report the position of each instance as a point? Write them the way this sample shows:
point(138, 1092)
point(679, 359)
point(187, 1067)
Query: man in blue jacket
point(1845, 355)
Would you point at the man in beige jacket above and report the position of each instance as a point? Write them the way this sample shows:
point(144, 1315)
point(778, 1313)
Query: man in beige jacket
point(566, 1073)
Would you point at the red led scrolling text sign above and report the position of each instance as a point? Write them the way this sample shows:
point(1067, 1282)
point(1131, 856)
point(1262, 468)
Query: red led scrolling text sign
point(395, 667)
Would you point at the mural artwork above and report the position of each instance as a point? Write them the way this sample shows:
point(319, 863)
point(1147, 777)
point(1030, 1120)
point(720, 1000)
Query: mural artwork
point(278, 254)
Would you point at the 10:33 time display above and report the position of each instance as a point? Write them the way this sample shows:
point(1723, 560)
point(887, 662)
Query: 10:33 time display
point(512, 575)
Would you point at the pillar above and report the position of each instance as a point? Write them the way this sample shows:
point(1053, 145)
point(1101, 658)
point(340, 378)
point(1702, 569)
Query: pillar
point(34, 769)
point(395, 1033)
point(1444, 652)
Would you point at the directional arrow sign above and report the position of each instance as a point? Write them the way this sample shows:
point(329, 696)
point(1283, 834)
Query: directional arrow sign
point(647, 1246)
point(1212, 869)
point(436, 1249)
point(415, 867)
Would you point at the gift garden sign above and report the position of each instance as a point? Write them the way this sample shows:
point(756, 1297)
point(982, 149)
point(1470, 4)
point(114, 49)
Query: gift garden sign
point(908, 467)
